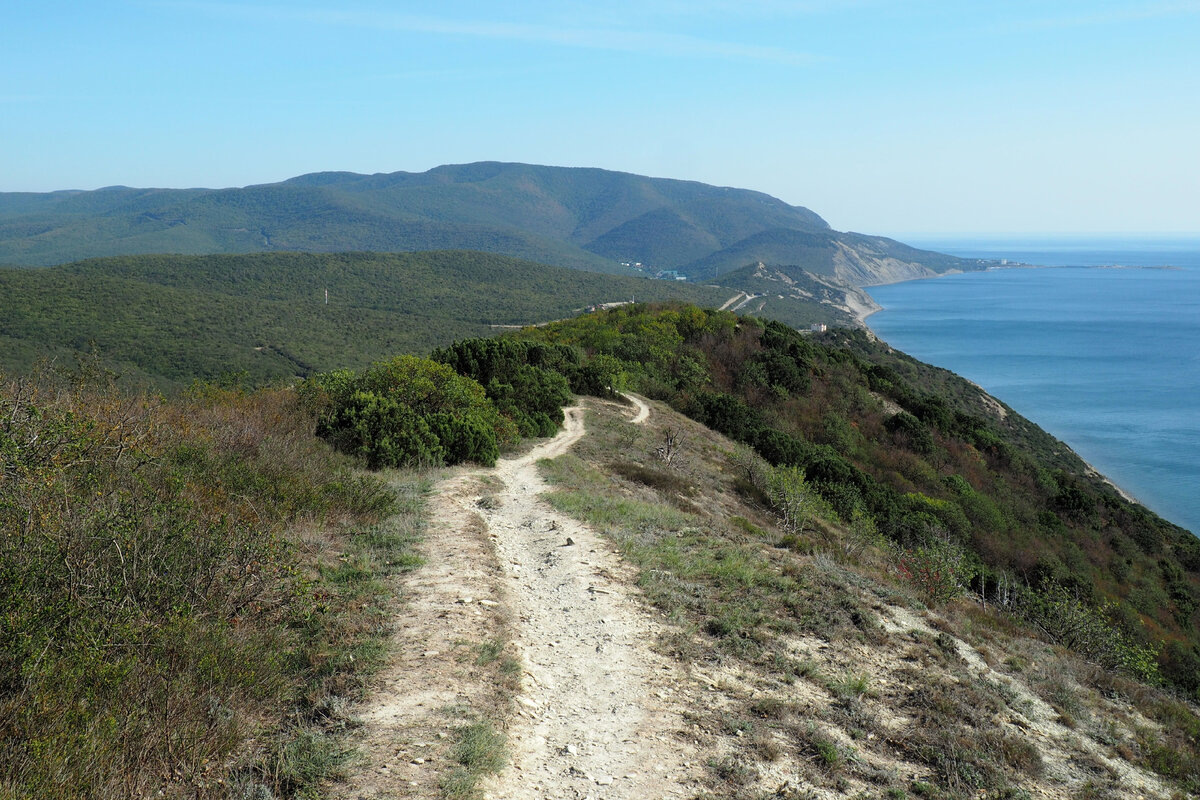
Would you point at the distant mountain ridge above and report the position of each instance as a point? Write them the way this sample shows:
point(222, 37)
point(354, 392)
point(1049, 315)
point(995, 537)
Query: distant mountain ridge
point(584, 218)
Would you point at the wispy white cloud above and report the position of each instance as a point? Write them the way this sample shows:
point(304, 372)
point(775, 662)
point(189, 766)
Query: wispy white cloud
point(612, 39)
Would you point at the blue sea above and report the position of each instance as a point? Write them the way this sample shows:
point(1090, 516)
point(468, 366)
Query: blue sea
point(1108, 360)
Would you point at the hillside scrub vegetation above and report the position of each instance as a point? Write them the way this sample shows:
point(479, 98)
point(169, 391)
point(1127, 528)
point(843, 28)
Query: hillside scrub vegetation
point(817, 667)
point(971, 495)
point(166, 320)
point(824, 672)
point(187, 588)
point(411, 411)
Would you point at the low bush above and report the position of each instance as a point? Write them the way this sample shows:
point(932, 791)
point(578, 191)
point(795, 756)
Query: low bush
point(797, 504)
point(1067, 620)
point(654, 478)
point(940, 570)
point(408, 411)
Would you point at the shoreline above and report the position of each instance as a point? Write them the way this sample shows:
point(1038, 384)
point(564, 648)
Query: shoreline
point(1092, 472)
point(1089, 470)
point(860, 311)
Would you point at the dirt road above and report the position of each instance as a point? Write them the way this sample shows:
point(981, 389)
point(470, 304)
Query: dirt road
point(598, 713)
point(643, 410)
point(597, 716)
point(731, 301)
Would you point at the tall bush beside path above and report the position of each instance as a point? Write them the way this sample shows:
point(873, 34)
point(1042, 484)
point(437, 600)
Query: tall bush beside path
point(529, 382)
point(408, 411)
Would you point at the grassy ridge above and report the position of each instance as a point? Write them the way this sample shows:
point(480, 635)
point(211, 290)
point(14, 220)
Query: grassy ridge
point(175, 579)
point(941, 470)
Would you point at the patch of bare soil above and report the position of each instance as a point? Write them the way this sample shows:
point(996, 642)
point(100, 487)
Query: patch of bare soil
point(452, 605)
point(731, 301)
point(599, 711)
point(597, 714)
point(643, 410)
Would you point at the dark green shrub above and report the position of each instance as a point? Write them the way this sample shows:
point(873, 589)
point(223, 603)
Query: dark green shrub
point(909, 431)
point(529, 382)
point(409, 411)
point(600, 376)
point(383, 431)
point(464, 439)
point(729, 415)
point(778, 447)
point(533, 398)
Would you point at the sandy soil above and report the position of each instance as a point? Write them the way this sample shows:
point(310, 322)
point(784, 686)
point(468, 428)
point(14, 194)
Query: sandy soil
point(643, 410)
point(745, 300)
point(448, 605)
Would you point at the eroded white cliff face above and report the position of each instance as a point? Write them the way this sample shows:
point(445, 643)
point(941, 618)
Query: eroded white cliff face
point(865, 266)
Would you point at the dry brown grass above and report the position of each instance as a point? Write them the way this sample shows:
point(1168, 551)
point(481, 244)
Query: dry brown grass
point(166, 580)
point(817, 685)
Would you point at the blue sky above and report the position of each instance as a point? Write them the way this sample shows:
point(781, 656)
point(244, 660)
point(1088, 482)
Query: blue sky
point(883, 116)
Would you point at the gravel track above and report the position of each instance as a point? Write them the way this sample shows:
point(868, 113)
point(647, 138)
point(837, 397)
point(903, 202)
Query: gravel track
point(598, 713)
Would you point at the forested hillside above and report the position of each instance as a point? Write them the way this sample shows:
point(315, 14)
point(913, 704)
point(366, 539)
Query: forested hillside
point(169, 320)
point(984, 497)
point(588, 219)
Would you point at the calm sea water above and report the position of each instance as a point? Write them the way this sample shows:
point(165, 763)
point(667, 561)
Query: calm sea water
point(1108, 360)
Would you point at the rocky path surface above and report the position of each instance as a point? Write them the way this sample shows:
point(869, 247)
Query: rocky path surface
point(598, 712)
point(451, 604)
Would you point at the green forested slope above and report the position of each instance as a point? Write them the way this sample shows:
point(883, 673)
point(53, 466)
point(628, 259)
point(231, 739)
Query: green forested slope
point(588, 219)
point(172, 319)
point(932, 463)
